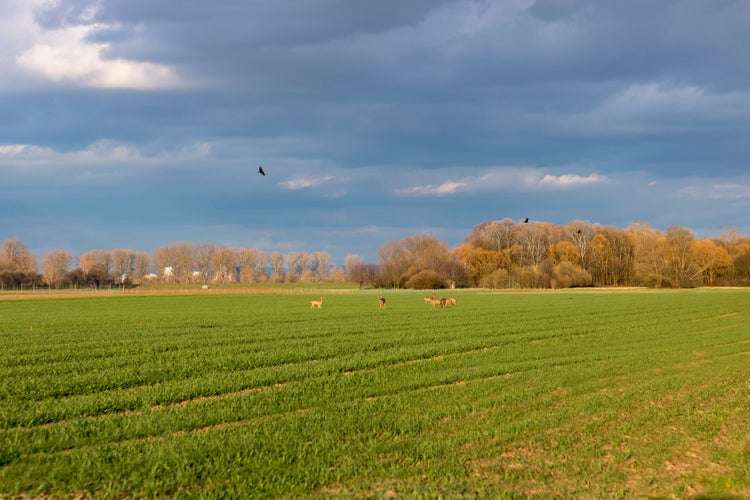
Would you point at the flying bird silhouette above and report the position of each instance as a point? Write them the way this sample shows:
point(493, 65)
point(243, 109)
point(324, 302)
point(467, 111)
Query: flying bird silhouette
point(261, 171)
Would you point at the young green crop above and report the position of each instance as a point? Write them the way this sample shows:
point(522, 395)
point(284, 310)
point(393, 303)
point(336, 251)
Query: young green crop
point(562, 394)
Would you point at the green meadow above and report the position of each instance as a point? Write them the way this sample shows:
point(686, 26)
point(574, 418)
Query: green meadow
point(583, 393)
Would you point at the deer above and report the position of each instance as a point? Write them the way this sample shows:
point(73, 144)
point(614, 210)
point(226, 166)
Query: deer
point(428, 300)
point(437, 302)
point(381, 301)
point(316, 303)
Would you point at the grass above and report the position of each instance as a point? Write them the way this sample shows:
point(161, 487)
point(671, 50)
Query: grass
point(593, 394)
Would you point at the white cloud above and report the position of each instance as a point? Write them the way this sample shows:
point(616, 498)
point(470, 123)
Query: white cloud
point(570, 180)
point(12, 149)
point(448, 187)
point(496, 178)
point(305, 182)
point(67, 56)
point(504, 178)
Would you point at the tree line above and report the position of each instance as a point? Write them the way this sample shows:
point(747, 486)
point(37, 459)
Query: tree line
point(495, 254)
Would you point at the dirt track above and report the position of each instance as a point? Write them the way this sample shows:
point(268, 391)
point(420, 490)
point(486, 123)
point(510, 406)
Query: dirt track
point(67, 294)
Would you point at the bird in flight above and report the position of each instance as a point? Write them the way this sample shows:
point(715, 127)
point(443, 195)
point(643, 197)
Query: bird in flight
point(261, 171)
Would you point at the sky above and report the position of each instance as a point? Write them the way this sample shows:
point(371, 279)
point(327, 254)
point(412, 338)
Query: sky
point(137, 123)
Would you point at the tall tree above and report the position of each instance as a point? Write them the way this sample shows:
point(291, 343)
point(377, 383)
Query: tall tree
point(494, 235)
point(16, 257)
point(428, 254)
point(225, 262)
point(649, 251)
point(297, 263)
point(276, 261)
point(96, 258)
point(535, 239)
point(174, 262)
point(479, 262)
point(122, 263)
point(252, 264)
point(320, 264)
point(564, 251)
point(580, 233)
point(183, 264)
point(682, 266)
point(730, 237)
point(357, 271)
point(203, 261)
point(395, 260)
point(621, 267)
point(55, 266)
point(711, 259)
point(600, 260)
point(141, 265)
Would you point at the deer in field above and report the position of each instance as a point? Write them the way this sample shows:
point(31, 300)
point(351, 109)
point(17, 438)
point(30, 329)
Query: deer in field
point(428, 300)
point(381, 301)
point(316, 303)
point(451, 301)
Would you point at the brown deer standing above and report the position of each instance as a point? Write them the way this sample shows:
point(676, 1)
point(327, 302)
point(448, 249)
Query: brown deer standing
point(381, 301)
point(316, 303)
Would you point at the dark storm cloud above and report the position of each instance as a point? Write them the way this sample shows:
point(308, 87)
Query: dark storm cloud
point(489, 82)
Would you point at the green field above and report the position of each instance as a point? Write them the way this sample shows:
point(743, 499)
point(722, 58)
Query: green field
point(587, 394)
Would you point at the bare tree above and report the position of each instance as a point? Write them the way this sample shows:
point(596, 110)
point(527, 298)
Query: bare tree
point(276, 260)
point(122, 263)
point(494, 235)
point(354, 265)
point(357, 270)
point(297, 263)
point(203, 260)
point(252, 264)
point(55, 266)
point(580, 234)
point(95, 258)
point(183, 261)
point(395, 261)
point(712, 259)
point(683, 268)
point(141, 265)
point(164, 260)
point(649, 250)
point(16, 257)
point(730, 238)
point(535, 239)
point(225, 261)
point(174, 262)
point(320, 263)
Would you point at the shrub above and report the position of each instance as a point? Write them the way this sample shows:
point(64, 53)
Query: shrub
point(567, 275)
point(426, 279)
point(528, 277)
point(499, 278)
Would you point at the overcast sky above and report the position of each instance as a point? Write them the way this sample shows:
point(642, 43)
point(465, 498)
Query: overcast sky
point(135, 123)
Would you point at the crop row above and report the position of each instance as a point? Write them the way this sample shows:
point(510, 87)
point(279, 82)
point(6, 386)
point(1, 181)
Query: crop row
point(201, 395)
